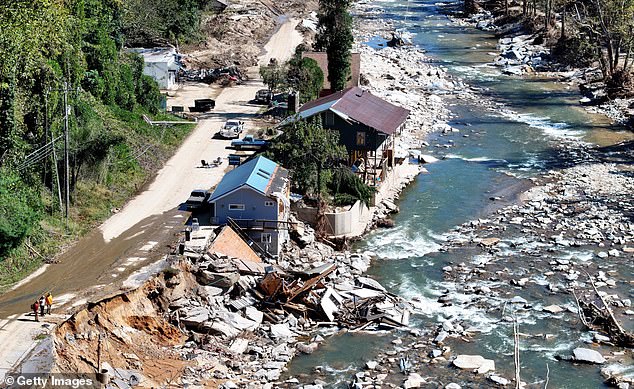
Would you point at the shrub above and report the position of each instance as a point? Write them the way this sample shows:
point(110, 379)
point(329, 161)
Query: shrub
point(347, 188)
point(19, 211)
point(149, 94)
point(305, 75)
point(620, 85)
point(574, 51)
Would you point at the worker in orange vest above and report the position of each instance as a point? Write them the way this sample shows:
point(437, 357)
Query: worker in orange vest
point(49, 302)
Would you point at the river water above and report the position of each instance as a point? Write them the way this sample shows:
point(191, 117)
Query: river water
point(517, 141)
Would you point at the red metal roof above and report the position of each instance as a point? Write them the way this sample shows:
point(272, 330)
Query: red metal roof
point(364, 107)
point(323, 100)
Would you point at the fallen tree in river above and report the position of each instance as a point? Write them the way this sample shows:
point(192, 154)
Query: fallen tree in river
point(597, 315)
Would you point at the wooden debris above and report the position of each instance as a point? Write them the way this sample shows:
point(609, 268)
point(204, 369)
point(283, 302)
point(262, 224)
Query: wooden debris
point(598, 316)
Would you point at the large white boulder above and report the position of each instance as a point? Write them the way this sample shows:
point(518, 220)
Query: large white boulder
point(588, 356)
point(474, 362)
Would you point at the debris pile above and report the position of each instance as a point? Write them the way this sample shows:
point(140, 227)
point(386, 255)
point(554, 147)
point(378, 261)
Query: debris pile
point(597, 315)
point(325, 294)
point(212, 75)
point(259, 315)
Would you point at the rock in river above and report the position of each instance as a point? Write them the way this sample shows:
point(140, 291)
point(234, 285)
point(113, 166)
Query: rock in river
point(588, 356)
point(474, 362)
point(553, 309)
point(414, 380)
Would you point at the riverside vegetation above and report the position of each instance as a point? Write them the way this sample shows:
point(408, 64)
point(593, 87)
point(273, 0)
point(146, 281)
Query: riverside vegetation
point(112, 150)
point(594, 33)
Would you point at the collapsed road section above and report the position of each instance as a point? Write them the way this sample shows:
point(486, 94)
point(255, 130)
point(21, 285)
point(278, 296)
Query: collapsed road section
point(216, 314)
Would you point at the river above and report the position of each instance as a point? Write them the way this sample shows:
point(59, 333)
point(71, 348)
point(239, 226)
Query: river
point(492, 151)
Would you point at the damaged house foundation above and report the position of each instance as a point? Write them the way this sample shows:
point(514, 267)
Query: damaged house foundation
point(220, 314)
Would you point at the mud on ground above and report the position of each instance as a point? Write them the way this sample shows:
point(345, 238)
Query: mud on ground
point(237, 35)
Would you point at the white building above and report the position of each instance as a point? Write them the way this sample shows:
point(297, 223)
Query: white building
point(161, 63)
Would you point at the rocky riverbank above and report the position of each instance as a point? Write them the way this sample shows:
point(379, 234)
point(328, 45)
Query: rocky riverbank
point(216, 324)
point(522, 52)
point(533, 264)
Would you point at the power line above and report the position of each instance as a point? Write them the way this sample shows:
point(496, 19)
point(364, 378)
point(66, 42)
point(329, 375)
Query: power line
point(39, 154)
point(35, 160)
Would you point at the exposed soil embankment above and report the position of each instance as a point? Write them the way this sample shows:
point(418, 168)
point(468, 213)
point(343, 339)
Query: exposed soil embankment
point(135, 334)
point(208, 320)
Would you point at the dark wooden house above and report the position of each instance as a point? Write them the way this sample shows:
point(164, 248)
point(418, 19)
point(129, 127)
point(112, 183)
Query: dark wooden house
point(367, 126)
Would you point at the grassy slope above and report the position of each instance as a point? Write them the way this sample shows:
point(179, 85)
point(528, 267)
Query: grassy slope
point(101, 188)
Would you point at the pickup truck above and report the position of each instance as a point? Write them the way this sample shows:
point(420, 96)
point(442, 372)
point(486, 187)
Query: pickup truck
point(197, 199)
point(232, 129)
point(249, 143)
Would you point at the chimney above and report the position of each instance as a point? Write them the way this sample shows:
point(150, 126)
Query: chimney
point(293, 102)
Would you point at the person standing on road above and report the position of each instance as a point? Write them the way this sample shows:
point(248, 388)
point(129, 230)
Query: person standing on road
point(36, 309)
point(42, 305)
point(49, 302)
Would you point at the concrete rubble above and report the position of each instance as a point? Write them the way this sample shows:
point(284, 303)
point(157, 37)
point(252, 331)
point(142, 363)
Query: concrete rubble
point(258, 313)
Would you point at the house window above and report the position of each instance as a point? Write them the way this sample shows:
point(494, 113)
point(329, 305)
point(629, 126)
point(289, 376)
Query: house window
point(236, 207)
point(360, 138)
point(269, 203)
point(330, 118)
point(265, 237)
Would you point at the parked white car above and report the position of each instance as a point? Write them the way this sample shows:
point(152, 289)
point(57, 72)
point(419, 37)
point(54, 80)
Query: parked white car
point(232, 129)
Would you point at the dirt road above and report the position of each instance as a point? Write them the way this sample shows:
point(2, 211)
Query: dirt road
point(182, 173)
point(139, 233)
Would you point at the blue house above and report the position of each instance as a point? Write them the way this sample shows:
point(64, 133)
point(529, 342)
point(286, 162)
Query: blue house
point(254, 197)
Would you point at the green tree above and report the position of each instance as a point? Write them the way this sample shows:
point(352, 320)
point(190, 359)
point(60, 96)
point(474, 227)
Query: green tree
point(148, 93)
point(274, 75)
point(30, 34)
point(308, 150)
point(148, 23)
point(334, 36)
point(90, 140)
point(305, 76)
point(347, 187)
point(609, 26)
point(19, 210)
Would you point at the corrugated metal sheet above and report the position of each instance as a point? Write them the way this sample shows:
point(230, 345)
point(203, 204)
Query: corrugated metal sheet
point(361, 106)
point(256, 173)
point(371, 110)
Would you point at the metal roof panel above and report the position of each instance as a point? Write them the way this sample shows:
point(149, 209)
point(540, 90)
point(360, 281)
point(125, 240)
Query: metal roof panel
point(256, 173)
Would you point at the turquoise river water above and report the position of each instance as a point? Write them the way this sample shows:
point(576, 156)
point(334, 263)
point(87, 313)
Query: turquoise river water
point(517, 141)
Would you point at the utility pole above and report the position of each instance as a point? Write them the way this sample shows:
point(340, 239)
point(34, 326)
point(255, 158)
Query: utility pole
point(65, 89)
point(66, 172)
point(54, 156)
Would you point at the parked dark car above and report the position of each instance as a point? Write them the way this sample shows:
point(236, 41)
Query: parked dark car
point(263, 96)
point(197, 199)
point(249, 143)
point(203, 105)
